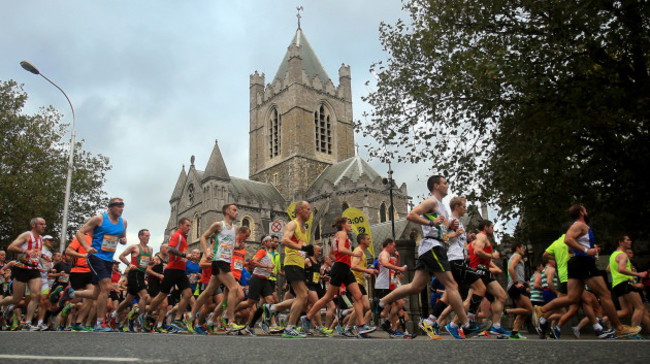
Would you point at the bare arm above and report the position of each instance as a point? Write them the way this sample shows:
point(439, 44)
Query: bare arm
point(537, 281)
point(126, 252)
point(385, 261)
point(150, 271)
point(428, 205)
point(207, 235)
point(511, 270)
point(621, 259)
point(86, 228)
point(289, 231)
point(576, 231)
point(479, 245)
point(550, 274)
point(14, 247)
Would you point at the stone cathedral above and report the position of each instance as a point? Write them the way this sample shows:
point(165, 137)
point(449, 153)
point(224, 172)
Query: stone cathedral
point(301, 148)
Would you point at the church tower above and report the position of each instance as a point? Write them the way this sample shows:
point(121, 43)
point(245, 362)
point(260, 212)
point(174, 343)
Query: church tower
point(300, 123)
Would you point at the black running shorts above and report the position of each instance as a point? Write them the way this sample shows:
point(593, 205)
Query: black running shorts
point(434, 260)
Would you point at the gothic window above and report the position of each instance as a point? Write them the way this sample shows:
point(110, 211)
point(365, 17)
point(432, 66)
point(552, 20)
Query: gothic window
point(275, 133)
point(195, 228)
point(317, 232)
point(246, 222)
point(249, 223)
point(383, 214)
point(323, 130)
point(190, 194)
point(344, 206)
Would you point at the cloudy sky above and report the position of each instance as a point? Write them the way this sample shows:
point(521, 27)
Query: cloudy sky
point(155, 82)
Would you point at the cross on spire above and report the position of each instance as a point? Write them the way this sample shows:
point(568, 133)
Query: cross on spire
point(299, 8)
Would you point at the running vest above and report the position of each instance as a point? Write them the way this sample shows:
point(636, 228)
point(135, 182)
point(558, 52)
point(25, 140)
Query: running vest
point(363, 264)
point(475, 261)
point(340, 257)
point(275, 258)
point(46, 266)
point(79, 265)
point(263, 257)
point(586, 241)
point(383, 278)
point(178, 241)
point(556, 283)
point(106, 237)
point(313, 273)
point(456, 249)
point(293, 256)
point(433, 235)
point(238, 260)
point(27, 260)
point(141, 260)
point(520, 272)
point(224, 243)
point(536, 295)
point(560, 251)
point(618, 278)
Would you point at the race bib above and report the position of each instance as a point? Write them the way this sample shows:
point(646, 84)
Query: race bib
point(225, 251)
point(109, 244)
point(63, 279)
point(316, 277)
point(34, 259)
point(239, 265)
point(193, 279)
point(144, 262)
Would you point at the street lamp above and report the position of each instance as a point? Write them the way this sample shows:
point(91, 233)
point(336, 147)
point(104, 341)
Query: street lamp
point(31, 68)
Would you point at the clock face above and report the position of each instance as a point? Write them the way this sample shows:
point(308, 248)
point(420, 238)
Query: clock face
point(190, 194)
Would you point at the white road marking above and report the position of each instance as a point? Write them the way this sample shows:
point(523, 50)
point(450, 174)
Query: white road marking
point(67, 358)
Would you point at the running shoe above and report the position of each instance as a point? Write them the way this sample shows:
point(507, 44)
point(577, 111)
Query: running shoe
point(339, 316)
point(200, 330)
point(396, 334)
point(249, 331)
point(476, 328)
point(606, 334)
point(276, 329)
point(556, 331)
point(436, 327)
point(29, 327)
point(542, 329)
point(636, 337)
point(576, 332)
point(266, 313)
point(54, 295)
point(293, 334)
point(209, 329)
point(42, 327)
point(265, 327)
point(324, 331)
point(347, 331)
point(65, 296)
point(628, 331)
point(160, 330)
point(78, 328)
point(499, 331)
point(517, 336)
point(144, 322)
point(305, 322)
point(102, 328)
point(189, 322)
point(134, 312)
point(386, 326)
point(178, 327)
point(90, 328)
point(365, 329)
point(454, 331)
point(7, 313)
point(66, 310)
point(408, 335)
point(234, 327)
point(426, 327)
point(537, 314)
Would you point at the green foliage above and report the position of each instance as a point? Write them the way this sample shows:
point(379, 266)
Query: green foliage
point(530, 105)
point(33, 170)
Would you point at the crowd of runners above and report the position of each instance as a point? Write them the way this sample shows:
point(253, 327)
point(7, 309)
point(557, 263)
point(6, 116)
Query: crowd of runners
point(313, 290)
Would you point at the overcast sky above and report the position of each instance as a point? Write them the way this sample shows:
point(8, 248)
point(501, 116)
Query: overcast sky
point(155, 82)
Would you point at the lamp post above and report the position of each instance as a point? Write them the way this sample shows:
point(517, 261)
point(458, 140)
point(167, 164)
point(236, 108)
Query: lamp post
point(64, 226)
point(389, 182)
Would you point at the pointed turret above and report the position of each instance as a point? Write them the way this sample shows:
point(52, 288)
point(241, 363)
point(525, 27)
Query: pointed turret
point(180, 183)
point(300, 50)
point(216, 168)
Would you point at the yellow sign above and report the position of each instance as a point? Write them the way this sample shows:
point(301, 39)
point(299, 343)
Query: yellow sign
point(291, 210)
point(360, 225)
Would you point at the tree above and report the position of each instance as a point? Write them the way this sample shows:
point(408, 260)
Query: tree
point(529, 105)
point(33, 168)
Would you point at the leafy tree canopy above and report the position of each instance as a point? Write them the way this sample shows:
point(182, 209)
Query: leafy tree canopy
point(529, 105)
point(33, 170)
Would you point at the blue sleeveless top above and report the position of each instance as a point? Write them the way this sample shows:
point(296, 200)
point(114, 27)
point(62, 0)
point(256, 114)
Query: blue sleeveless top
point(106, 237)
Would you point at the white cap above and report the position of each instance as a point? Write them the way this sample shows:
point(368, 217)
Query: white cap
point(48, 237)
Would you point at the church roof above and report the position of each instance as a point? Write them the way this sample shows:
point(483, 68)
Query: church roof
point(241, 189)
point(352, 168)
point(384, 230)
point(180, 183)
point(309, 60)
point(216, 167)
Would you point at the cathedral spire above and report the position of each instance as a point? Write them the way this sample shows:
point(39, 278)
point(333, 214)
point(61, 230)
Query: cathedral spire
point(299, 8)
point(216, 167)
point(180, 183)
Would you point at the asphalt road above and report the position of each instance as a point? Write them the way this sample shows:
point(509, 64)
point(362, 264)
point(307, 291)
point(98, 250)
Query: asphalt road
point(60, 347)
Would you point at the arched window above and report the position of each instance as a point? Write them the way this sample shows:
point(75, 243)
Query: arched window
point(249, 223)
point(246, 222)
point(323, 130)
point(275, 133)
point(344, 206)
point(383, 214)
point(190, 194)
point(195, 227)
point(317, 232)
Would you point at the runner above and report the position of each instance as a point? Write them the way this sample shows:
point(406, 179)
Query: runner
point(432, 256)
point(25, 273)
point(623, 284)
point(155, 276)
point(462, 273)
point(361, 273)
point(259, 285)
point(481, 256)
point(296, 247)
point(108, 229)
point(383, 282)
point(517, 289)
point(277, 270)
point(582, 270)
point(47, 264)
point(227, 238)
point(141, 256)
point(342, 275)
point(174, 275)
